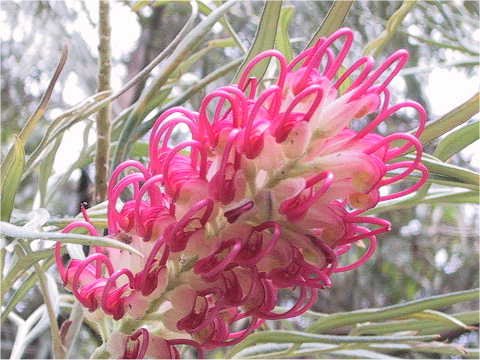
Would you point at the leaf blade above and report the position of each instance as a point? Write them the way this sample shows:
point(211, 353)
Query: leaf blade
point(333, 20)
point(264, 38)
point(11, 176)
point(19, 232)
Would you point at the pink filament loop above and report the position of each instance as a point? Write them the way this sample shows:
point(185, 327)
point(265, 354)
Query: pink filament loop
point(113, 215)
point(192, 116)
point(383, 226)
point(386, 113)
point(367, 63)
point(252, 256)
point(320, 49)
point(145, 187)
point(304, 302)
point(98, 258)
point(237, 105)
point(209, 267)
point(372, 246)
point(111, 300)
point(236, 337)
point(146, 280)
point(398, 59)
point(175, 234)
point(166, 131)
point(58, 246)
point(234, 214)
point(253, 141)
point(296, 207)
point(423, 179)
point(223, 188)
point(141, 346)
point(330, 255)
point(169, 174)
point(288, 119)
point(124, 165)
point(282, 62)
point(192, 343)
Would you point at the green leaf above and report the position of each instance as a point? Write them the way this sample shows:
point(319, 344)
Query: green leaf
point(19, 232)
point(23, 289)
point(333, 21)
point(222, 71)
point(297, 337)
point(375, 46)
point(139, 149)
point(451, 120)
point(206, 10)
point(282, 42)
point(422, 327)
point(10, 177)
point(457, 140)
point(42, 107)
point(349, 318)
point(211, 45)
point(45, 171)
point(264, 38)
point(23, 264)
point(440, 317)
point(448, 171)
point(435, 197)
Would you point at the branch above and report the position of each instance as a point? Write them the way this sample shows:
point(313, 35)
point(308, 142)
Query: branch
point(103, 116)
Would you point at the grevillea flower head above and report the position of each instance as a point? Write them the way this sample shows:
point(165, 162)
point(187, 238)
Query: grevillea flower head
point(266, 194)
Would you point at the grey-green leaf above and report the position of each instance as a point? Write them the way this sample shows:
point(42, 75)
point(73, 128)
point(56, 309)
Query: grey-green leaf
point(461, 114)
point(457, 140)
point(19, 232)
point(264, 38)
point(10, 178)
point(333, 21)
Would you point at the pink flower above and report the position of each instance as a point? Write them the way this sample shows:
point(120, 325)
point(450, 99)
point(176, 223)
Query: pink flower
point(267, 194)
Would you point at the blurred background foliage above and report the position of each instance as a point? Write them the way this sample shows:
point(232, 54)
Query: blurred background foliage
point(432, 248)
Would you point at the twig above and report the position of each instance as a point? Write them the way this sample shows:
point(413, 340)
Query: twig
point(102, 153)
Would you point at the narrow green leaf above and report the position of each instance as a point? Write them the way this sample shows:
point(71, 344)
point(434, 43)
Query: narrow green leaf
point(439, 317)
point(457, 140)
point(211, 45)
point(349, 318)
point(10, 177)
point(282, 42)
point(19, 232)
point(333, 21)
point(264, 38)
point(422, 327)
point(436, 197)
point(222, 71)
point(22, 264)
point(296, 337)
point(42, 107)
point(375, 46)
point(23, 289)
point(449, 171)
point(139, 149)
point(206, 10)
point(461, 114)
point(45, 171)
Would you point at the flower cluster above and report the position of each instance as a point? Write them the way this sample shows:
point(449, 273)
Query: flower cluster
point(266, 193)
